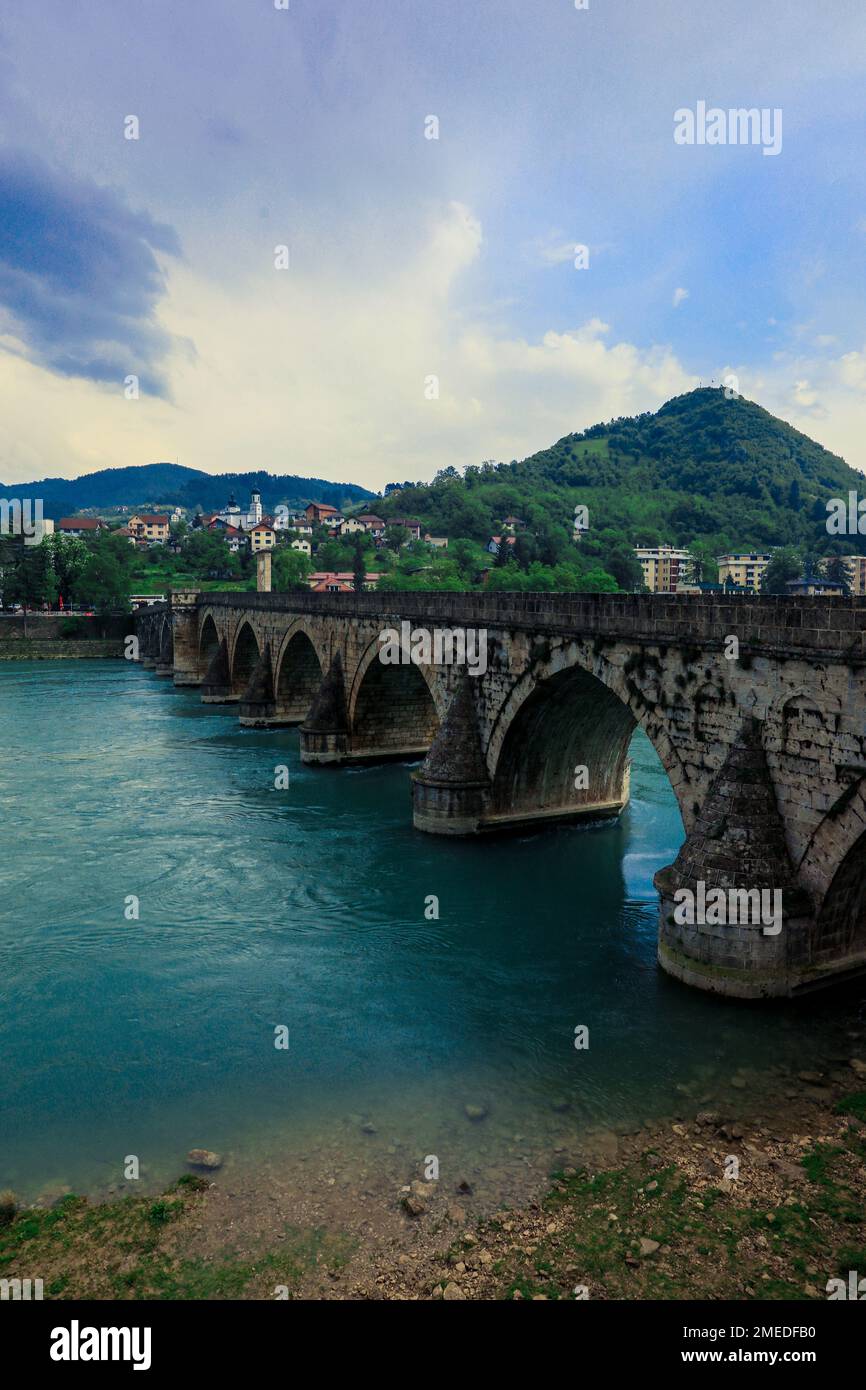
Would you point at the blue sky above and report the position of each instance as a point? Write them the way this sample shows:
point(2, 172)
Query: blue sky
point(411, 258)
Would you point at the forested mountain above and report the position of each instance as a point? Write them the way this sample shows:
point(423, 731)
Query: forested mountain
point(724, 473)
point(187, 487)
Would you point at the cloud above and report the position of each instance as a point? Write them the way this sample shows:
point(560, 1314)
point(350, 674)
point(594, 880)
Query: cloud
point(80, 276)
point(323, 374)
point(679, 296)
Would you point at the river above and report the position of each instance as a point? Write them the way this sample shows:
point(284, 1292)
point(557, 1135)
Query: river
point(303, 909)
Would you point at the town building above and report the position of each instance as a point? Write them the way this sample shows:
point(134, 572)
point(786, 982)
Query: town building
point(322, 514)
point(145, 600)
point(664, 567)
point(496, 542)
point(262, 537)
point(352, 526)
point(338, 582)
point(149, 528)
point(811, 585)
point(856, 565)
point(80, 525)
point(285, 520)
point(743, 570)
point(232, 514)
point(440, 542)
point(332, 585)
point(374, 524)
point(302, 545)
point(410, 523)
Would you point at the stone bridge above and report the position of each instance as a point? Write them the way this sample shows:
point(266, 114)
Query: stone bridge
point(756, 708)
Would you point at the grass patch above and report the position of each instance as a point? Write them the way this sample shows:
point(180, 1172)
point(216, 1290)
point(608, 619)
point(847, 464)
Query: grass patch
point(134, 1249)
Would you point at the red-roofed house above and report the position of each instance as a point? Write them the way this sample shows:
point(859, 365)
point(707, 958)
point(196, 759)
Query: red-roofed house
point(321, 514)
point(80, 525)
point(338, 582)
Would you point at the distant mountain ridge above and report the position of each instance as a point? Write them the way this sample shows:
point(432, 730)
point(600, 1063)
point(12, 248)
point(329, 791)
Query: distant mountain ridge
point(150, 483)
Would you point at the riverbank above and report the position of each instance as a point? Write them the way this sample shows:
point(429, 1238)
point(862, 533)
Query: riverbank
point(58, 649)
point(721, 1203)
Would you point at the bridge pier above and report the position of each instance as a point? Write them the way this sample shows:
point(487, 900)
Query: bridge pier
point(451, 790)
point(187, 668)
point(393, 717)
point(325, 731)
point(750, 947)
point(165, 660)
point(257, 705)
point(216, 688)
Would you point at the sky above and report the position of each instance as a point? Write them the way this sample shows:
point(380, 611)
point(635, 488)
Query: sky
point(429, 308)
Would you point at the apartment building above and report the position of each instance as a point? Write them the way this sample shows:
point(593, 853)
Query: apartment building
point(664, 567)
point(743, 570)
point(148, 527)
point(857, 570)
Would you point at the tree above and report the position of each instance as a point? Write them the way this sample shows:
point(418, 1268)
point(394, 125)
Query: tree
point(837, 572)
point(784, 565)
point(395, 537)
point(289, 570)
point(105, 579)
point(68, 556)
point(620, 560)
point(702, 565)
point(32, 580)
point(358, 570)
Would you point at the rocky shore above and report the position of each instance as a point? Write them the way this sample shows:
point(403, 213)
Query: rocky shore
point(719, 1202)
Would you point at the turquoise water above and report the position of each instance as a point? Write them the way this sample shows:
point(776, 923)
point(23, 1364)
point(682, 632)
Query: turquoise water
point(305, 908)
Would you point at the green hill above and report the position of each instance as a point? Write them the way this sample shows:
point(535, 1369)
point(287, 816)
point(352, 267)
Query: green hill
point(724, 473)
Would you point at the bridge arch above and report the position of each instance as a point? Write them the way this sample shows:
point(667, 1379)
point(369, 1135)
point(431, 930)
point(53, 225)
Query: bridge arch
point(208, 640)
point(833, 839)
point(244, 656)
point(572, 711)
point(839, 932)
point(298, 673)
point(394, 709)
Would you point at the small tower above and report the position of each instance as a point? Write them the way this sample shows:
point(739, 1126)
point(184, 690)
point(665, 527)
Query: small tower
point(254, 515)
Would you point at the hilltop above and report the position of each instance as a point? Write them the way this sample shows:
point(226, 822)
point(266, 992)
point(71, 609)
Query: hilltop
point(186, 487)
point(702, 468)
